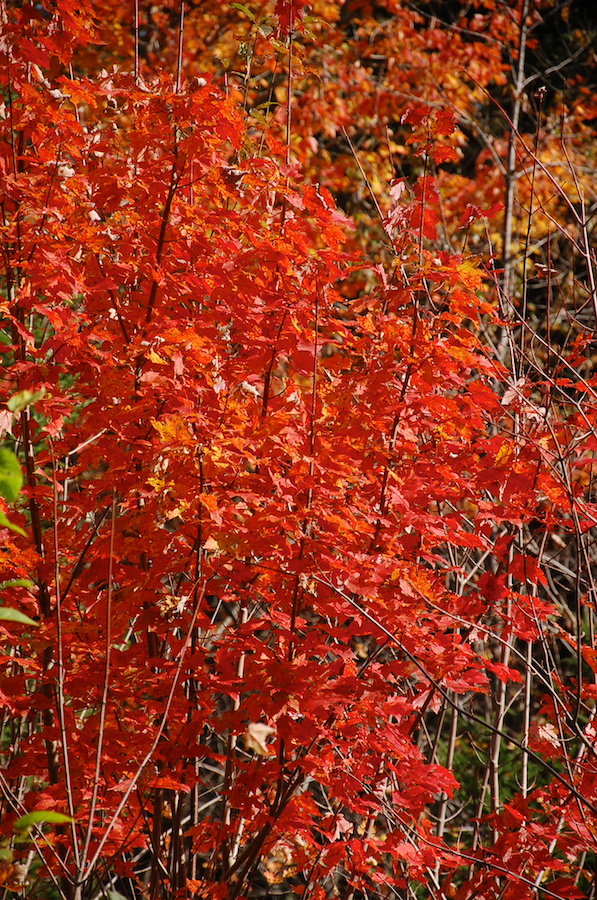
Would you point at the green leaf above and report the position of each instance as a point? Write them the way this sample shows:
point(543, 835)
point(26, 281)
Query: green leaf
point(25, 823)
point(5, 523)
point(243, 9)
point(11, 475)
point(19, 402)
point(13, 615)
point(16, 582)
point(259, 117)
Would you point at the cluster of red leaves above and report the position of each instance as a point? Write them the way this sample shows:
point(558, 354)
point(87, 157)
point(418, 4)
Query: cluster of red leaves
point(243, 492)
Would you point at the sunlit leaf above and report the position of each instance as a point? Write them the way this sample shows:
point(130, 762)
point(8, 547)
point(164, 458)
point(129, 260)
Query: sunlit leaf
point(13, 615)
point(11, 475)
point(40, 817)
point(18, 402)
point(6, 523)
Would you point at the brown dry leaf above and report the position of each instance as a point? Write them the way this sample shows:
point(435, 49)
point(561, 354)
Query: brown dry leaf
point(278, 864)
point(255, 738)
point(13, 876)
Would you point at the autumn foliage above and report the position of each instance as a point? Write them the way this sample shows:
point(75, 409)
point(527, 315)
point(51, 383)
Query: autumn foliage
point(297, 344)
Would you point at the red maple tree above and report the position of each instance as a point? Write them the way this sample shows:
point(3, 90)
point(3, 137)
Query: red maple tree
point(306, 527)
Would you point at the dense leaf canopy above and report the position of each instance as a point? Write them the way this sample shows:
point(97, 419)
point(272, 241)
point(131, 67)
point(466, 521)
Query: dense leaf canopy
point(297, 320)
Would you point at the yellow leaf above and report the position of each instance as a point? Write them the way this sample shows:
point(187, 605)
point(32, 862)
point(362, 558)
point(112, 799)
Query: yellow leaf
point(504, 454)
point(154, 357)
